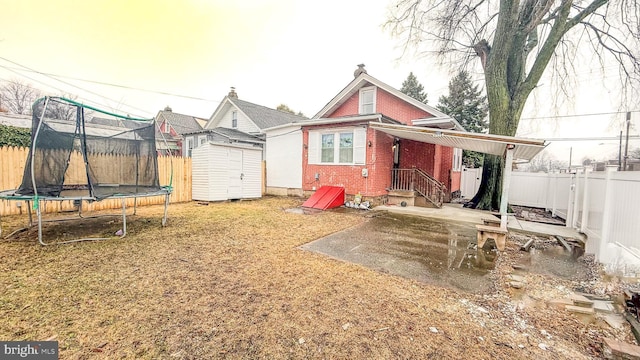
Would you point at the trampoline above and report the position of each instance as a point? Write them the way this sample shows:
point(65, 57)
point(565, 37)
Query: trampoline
point(71, 159)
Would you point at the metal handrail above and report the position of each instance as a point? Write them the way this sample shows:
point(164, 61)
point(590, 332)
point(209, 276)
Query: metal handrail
point(419, 181)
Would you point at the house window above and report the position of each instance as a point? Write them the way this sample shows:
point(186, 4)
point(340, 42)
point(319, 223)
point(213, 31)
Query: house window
point(327, 148)
point(203, 140)
point(457, 159)
point(346, 148)
point(189, 146)
point(337, 146)
point(368, 100)
point(234, 120)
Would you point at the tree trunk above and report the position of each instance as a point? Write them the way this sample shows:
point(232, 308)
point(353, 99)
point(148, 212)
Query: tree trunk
point(488, 195)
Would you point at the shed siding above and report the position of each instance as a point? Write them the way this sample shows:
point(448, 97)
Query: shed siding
point(210, 172)
point(199, 179)
point(252, 170)
point(218, 173)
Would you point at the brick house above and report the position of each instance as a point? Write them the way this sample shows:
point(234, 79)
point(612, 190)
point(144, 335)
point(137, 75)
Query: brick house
point(339, 148)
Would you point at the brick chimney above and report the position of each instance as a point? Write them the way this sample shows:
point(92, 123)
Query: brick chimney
point(167, 108)
point(232, 93)
point(359, 70)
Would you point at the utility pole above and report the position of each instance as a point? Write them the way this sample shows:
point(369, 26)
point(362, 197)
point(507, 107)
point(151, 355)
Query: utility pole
point(620, 153)
point(626, 145)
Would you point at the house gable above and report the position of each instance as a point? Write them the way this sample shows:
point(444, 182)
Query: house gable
point(251, 118)
point(386, 104)
point(234, 116)
point(347, 101)
point(224, 117)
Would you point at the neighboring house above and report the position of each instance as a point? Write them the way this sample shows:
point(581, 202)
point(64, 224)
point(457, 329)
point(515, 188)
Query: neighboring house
point(240, 121)
point(172, 126)
point(338, 147)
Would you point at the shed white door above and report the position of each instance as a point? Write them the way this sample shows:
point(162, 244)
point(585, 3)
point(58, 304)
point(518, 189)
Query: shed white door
point(235, 174)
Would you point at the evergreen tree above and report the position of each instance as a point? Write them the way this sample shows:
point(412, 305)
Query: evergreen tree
point(468, 106)
point(413, 88)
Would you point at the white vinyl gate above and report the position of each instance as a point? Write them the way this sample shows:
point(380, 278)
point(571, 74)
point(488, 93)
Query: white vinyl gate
point(470, 182)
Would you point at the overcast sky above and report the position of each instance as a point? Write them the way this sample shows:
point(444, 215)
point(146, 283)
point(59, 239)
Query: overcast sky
point(300, 53)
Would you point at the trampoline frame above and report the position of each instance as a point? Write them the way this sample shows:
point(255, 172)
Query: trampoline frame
point(38, 200)
point(10, 196)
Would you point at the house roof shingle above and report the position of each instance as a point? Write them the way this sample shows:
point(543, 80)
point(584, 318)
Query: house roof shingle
point(265, 117)
point(181, 123)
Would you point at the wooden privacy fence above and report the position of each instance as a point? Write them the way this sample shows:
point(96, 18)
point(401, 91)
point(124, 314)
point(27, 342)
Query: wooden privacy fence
point(113, 167)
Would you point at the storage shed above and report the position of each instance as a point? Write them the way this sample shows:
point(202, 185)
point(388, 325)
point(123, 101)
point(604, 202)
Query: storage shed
point(226, 172)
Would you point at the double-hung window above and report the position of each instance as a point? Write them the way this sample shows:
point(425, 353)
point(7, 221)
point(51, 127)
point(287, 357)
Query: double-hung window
point(337, 147)
point(234, 120)
point(367, 100)
point(327, 149)
point(346, 148)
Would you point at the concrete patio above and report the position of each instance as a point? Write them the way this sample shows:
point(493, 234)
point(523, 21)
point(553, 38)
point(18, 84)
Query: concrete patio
point(455, 212)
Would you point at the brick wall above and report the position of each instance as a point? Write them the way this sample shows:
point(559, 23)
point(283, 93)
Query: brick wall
point(418, 154)
point(379, 161)
point(350, 107)
point(397, 109)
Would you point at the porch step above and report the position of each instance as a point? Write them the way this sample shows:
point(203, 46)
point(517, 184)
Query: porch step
point(411, 198)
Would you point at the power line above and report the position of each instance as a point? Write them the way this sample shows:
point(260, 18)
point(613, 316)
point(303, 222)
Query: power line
point(72, 85)
point(110, 84)
point(580, 115)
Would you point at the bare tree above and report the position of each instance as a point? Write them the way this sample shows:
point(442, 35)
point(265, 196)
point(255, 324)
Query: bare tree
point(516, 41)
point(62, 111)
point(17, 97)
point(544, 162)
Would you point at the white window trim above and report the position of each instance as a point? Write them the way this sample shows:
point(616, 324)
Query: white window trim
point(234, 117)
point(202, 140)
point(359, 136)
point(361, 94)
point(189, 146)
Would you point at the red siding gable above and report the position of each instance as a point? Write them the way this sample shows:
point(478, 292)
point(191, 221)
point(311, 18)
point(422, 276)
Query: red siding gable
point(386, 104)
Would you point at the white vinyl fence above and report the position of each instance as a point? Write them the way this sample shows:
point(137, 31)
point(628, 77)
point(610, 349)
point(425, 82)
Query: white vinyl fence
point(603, 205)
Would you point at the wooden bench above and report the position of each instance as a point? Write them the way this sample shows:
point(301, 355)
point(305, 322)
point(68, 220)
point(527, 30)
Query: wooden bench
point(499, 235)
point(491, 222)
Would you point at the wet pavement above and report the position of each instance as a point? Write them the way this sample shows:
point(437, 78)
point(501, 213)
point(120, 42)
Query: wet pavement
point(438, 246)
point(437, 251)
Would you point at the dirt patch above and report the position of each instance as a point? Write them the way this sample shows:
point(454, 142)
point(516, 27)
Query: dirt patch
point(227, 280)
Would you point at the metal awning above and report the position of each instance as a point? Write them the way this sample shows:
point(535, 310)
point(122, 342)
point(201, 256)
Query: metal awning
point(508, 146)
point(524, 149)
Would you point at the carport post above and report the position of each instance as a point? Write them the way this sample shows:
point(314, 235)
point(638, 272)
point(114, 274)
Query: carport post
point(506, 181)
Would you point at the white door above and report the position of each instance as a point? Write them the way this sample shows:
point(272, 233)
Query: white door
point(235, 174)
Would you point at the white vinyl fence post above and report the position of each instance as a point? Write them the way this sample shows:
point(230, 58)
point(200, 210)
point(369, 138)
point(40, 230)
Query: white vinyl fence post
point(585, 201)
point(572, 191)
point(506, 181)
point(554, 194)
point(577, 205)
point(601, 255)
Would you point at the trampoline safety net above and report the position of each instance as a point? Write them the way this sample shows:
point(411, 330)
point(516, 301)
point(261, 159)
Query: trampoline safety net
point(72, 157)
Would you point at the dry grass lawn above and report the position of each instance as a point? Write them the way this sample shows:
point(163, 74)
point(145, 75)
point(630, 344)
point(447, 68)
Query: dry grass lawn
point(227, 280)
